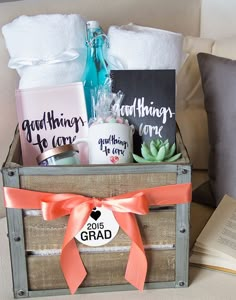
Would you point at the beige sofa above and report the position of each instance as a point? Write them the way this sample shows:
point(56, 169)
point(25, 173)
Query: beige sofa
point(208, 26)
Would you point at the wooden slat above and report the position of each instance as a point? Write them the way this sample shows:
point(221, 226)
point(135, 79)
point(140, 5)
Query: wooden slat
point(14, 157)
point(105, 185)
point(45, 271)
point(157, 228)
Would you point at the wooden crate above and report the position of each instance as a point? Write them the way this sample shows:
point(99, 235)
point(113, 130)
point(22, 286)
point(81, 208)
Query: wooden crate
point(35, 244)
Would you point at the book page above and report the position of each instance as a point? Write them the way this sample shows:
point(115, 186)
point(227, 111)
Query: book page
point(219, 234)
point(210, 261)
point(203, 250)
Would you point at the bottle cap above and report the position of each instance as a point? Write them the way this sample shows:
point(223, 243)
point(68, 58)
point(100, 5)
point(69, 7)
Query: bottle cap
point(56, 151)
point(93, 24)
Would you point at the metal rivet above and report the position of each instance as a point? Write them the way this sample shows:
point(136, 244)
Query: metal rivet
point(17, 238)
point(20, 293)
point(181, 283)
point(11, 173)
point(182, 230)
point(184, 171)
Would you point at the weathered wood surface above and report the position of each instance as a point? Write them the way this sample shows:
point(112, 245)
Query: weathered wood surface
point(104, 266)
point(14, 157)
point(157, 228)
point(105, 185)
point(44, 272)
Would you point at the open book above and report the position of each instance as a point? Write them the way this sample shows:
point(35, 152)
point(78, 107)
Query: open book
point(215, 248)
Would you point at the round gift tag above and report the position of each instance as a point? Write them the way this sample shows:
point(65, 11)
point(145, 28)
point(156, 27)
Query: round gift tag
point(100, 228)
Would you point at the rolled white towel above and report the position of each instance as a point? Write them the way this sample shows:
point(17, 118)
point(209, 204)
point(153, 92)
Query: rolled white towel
point(46, 49)
point(138, 47)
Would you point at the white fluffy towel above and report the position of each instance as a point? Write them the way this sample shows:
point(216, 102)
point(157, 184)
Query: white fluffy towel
point(138, 47)
point(46, 50)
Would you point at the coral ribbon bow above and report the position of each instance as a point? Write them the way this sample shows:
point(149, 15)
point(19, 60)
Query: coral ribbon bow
point(79, 208)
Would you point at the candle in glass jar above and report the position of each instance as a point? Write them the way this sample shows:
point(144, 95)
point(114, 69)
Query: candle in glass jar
point(62, 155)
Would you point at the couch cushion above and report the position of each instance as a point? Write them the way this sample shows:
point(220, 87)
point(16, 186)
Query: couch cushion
point(191, 115)
point(225, 47)
point(192, 122)
point(219, 85)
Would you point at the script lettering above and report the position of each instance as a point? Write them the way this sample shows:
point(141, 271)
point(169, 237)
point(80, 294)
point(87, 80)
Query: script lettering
point(50, 121)
point(140, 108)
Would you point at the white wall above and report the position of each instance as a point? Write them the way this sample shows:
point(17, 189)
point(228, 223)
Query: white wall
point(218, 19)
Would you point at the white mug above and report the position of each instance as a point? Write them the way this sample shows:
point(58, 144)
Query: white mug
point(109, 143)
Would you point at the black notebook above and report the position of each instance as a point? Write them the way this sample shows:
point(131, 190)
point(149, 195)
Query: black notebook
point(148, 104)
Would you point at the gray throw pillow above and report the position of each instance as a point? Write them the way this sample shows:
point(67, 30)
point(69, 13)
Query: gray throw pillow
point(218, 77)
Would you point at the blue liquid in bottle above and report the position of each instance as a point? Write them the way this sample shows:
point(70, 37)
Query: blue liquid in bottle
point(96, 70)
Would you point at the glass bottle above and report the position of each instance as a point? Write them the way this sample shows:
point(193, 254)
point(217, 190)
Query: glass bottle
point(96, 70)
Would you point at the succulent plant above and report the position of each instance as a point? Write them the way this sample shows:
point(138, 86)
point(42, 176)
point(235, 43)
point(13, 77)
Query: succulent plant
point(157, 151)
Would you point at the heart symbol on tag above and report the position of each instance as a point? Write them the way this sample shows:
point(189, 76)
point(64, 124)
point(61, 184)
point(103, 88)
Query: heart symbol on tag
point(95, 214)
point(114, 159)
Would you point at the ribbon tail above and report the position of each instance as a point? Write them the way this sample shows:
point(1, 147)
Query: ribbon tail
point(136, 268)
point(71, 263)
point(72, 266)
